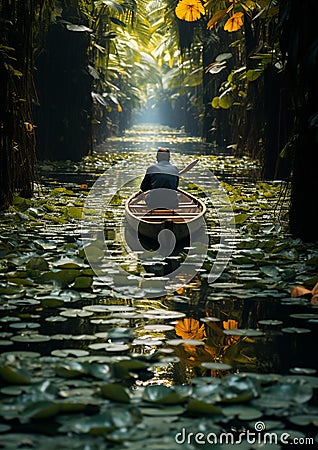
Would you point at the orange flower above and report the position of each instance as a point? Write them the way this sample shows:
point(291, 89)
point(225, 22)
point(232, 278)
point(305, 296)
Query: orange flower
point(189, 10)
point(230, 324)
point(190, 329)
point(234, 23)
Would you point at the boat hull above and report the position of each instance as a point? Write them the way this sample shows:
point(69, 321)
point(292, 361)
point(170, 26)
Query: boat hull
point(186, 220)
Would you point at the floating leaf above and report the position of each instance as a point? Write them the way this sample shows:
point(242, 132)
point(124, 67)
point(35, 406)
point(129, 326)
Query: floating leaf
point(216, 366)
point(20, 325)
point(13, 375)
point(162, 314)
point(175, 410)
point(162, 394)
point(76, 313)
point(199, 407)
point(37, 263)
point(271, 322)
point(242, 412)
point(30, 338)
point(115, 392)
point(184, 342)
point(41, 410)
point(70, 352)
point(116, 348)
point(244, 332)
point(22, 354)
point(304, 419)
point(51, 301)
point(70, 369)
point(295, 330)
point(158, 327)
point(83, 283)
point(304, 316)
point(302, 370)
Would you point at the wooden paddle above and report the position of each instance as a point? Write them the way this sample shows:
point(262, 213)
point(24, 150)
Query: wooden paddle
point(188, 167)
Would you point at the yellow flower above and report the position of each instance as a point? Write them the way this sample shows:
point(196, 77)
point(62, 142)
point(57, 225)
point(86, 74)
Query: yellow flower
point(234, 23)
point(189, 10)
point(190, 328)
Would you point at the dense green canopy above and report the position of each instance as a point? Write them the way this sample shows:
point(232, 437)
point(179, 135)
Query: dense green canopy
point(231, 71)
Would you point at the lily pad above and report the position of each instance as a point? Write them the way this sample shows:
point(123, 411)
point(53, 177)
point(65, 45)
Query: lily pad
point(304, 419)
point(216, 366)
point(14, 375)
point(51, 301)
point(75, 313)
point(304, 316)
point(270, 322)
point(115, 392)
point(163, 411)
point(82, 282)
point(165, 395)
point(199, 407)
point(41, 410)
point(303, 370)
point(242, 412)
point(70, 352)
point(22, 354)
point(158, 327)
point(30, 338)
point(115, 348)
point(184, 342)
point(296, 330)
point(244, 332)
point(20, 325)
point(5, 343)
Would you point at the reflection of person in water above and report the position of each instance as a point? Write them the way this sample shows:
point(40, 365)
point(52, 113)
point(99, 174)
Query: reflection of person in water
point(159, 177)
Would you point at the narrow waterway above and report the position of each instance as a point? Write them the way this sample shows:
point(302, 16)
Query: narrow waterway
point(55, 311)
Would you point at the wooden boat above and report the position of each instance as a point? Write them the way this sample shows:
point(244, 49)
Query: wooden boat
point(188, 216)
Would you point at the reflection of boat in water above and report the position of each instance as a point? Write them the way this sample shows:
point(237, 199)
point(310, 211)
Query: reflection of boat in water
point(182, 221)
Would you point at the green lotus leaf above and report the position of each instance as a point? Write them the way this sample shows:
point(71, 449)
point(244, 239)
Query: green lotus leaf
point(162, 394)
point(82, 282)
point(13, 375)
point(41, 410)
point(115, 392)
point(199, 407)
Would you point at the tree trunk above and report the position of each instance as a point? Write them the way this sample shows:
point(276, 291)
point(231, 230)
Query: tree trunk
point(17, 138)
point(298, 42)
point(64, 86)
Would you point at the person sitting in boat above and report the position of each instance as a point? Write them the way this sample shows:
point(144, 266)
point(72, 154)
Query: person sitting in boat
point(161, 180)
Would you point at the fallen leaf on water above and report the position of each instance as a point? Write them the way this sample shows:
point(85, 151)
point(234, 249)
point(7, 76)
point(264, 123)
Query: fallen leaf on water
point(299, 291)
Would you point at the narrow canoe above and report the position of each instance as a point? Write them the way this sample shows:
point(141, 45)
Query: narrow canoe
point(186, 219)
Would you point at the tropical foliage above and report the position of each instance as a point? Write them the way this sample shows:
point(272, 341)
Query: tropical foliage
point(19, 23)
point(232, 71)
point(262, 80)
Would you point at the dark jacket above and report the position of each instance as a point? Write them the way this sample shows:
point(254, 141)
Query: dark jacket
point(158, 178)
